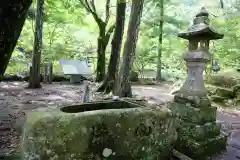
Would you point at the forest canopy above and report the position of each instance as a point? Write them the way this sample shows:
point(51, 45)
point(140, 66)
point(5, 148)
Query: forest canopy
point(71, 32)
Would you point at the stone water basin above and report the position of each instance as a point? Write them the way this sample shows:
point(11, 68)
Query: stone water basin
point(108, 130)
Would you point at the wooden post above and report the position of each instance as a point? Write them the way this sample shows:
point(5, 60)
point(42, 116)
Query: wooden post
point(86, 92)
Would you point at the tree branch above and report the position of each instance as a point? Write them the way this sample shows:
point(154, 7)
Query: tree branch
point(221, 4)
point(91, 8)
point(93, 5)
point(111, 29)
point(107, 10)
point(85, 5)
point(109, 32)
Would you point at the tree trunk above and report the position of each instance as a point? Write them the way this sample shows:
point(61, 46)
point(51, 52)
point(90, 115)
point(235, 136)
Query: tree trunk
point(36, 59)
point(221, 4)
point(103, 40)
point(104, 34)
point(108, 83)
point(12, 17)
point(101, 64)
point(160, 39)
point(124, 84)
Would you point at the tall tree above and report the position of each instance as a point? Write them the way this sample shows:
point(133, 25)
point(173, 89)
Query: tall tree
point(160, 39)
point(12, 17)
point(108, 83)
point(123, 88)
point(104, 34)
point(34, 81)
point(221, 3)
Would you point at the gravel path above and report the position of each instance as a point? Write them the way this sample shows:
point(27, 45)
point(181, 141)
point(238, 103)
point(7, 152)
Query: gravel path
point(16, 101)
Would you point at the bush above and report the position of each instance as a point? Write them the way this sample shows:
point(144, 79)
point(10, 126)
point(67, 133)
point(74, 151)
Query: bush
point(172, 75)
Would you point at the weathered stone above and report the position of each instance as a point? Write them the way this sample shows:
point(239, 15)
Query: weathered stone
point(134, 76)
point(218, 98)
point(199, 132)
point(180, 156)
point(236, 89)
point(113, 130)
point(226, 78)
point(201, 150)
point(224, 92)
point(137, 101)
point(211, 89)
point(76, 78)
point(191, 114)
point(198, 135)
point(195, 101)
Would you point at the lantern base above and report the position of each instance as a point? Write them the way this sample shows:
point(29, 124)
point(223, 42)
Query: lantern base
point(199, 135)
point(202, 150)
point(198, 100)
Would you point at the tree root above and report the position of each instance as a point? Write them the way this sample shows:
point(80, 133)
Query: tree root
point(106, 87)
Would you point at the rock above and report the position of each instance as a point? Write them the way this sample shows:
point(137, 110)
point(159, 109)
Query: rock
point(180, 156)
point(224, 92)
point(211, 89)
point(11, 78)
point(215, 98)
point(26, 78)
point(236, 88)
point(59, 78)
point(134, 76)
point(199, 135)
point(88, 132)
point(147, 81)
point(56, 78)
point(227, 78)
point(236, 91)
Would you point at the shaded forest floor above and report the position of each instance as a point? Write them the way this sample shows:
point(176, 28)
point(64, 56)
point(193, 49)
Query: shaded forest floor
point(16, 101)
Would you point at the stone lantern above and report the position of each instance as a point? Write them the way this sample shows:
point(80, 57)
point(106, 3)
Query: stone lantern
point(199, 36)
point(198, 133)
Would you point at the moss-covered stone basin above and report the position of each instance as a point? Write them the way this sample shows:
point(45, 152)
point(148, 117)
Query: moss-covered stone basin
point(111, 130)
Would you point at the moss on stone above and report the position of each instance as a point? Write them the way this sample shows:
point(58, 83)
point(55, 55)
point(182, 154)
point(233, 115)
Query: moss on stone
point(224, 92)
point(226, 78)
point(202, 150)
point(218, 99)
point(130, 133)
point(191, 114)
point(194, 101)
point(180, 156)
point(199, 132)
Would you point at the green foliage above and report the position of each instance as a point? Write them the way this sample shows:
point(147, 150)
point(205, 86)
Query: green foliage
point(71, 33)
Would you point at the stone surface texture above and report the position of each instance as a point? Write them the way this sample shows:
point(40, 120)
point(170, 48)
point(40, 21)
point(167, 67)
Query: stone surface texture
point(199, 134)
point(140, 133)
point(225, 88)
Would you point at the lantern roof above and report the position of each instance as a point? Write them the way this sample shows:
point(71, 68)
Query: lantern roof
point(201, 30)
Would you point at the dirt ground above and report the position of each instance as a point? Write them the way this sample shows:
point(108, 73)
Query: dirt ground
point(16, 101)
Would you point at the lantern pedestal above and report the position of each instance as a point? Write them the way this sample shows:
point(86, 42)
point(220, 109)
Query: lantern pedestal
point(196, 62)
point(199, 134)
